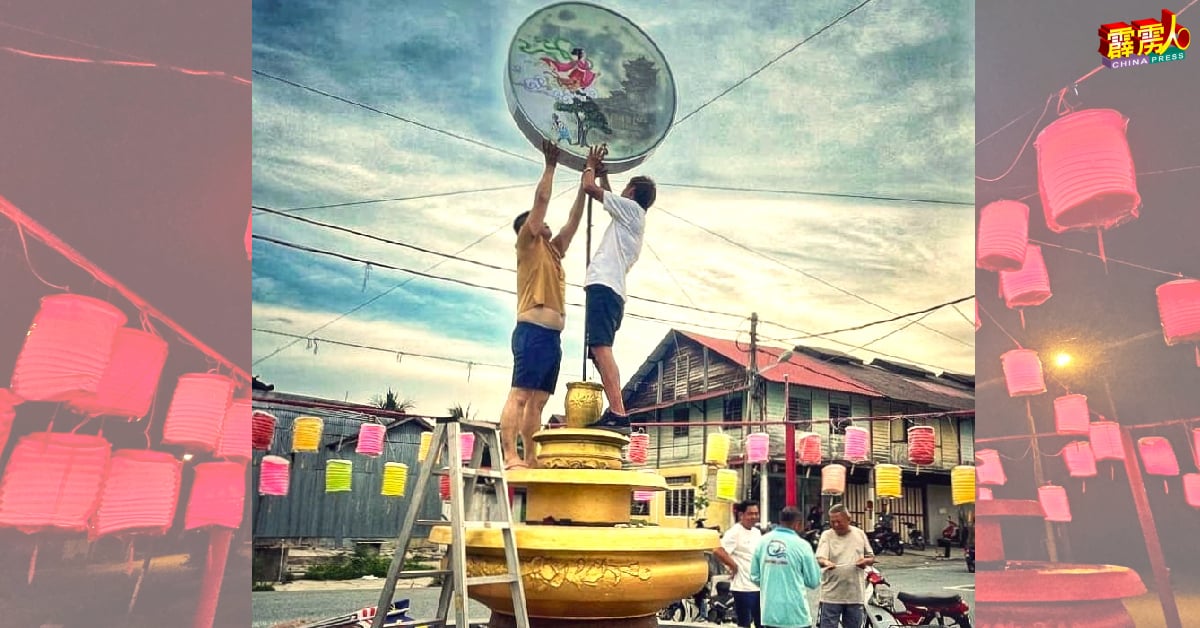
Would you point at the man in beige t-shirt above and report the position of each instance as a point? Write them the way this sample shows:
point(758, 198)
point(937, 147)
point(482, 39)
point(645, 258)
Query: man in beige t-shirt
point(843, 553)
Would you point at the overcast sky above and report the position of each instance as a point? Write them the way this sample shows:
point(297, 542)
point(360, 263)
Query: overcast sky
point(882, 104)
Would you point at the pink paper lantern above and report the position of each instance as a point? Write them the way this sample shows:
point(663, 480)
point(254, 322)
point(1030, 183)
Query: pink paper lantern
point(197, 411)
point(643, 496)
point(833, 479)
point(1080, 461)
point(218, 496)
point(467, 444)
point(857, 444)
point(978, 323)
point(1085, 171)
point(808, 448)
point(758, 446)
point(236, 432)
point(370, 439)
point(988, 468)
point(1054, 503)
point(1003, 236)
point(984, 494)
point(273, 476)
point(1195, 445)
point(922, 445)
point(1191, 489)
point(140, 494)
point(1158, 456)
point(1029, 285)
point(8, 413)
point(262, 430)
point(1023, 373)
point(1179, 311)
point(53, 481)
point(67, 348)
point(1071, 415)
point(639, 445)
point(1105, 438)
point(130, 379)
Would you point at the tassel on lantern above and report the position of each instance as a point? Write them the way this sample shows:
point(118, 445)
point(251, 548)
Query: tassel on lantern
point(962, 485)
point(273, 476)
point(218, 496)
point(717, 450)
point(370, 439)
point(140, 494)
point(833, 479)
point(306, 434)
point(131, 378)
point(1003, 236)
point(67, 348)
point(887, 481)
point(1023, 373)
point(197, 411)
point(262, 430)
point(395, 479)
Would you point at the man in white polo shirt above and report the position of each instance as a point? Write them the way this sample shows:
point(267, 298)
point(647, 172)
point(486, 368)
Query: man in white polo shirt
point(737, 549)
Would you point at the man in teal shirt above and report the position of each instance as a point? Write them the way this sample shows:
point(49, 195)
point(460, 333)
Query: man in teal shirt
point(783, 566)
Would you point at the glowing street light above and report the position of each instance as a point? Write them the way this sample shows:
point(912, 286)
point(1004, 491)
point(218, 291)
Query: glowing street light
point(1062, 360)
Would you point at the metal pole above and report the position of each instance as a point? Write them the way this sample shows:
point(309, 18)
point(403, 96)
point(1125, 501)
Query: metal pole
point(789, 450)
point(1039, 478)
point(587, 256)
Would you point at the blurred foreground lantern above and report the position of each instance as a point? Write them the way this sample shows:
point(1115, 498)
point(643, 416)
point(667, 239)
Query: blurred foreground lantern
point(1157, 456)
point(808, 448)
point(1105, 437)
point(1003, 236)
point(727, 485)
point(922, 445)
point(339, 476)
point(1191, 489)
point(67, 348)
point(758, 445)
point(395, 479)
point(962, 485)
point(235, 443)
point(197, 411)
point(887, 481)
point(306, 434)
point(273, 476)
point(1179, 311)
point(1080, 461)
point(1071, 415)
point(370, 439)
point(639, 443)
point(984, 494)
point(857, 447)
point(1029, 285)
point(833, 479)
point(989, 468)
point(140, 494)
point(53, 481)
point(718, 449)
point(644, 496)
point(262, 429)
point(1054, 503)
point(1023, 373)
point(423, 448)
point(130, 379)
point(218, 496)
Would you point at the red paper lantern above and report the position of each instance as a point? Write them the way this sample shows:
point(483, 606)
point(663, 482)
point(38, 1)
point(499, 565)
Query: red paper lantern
point(262, 430)
point(1085, 171)
point(235, 432)
point(808, 448)
point(1158, 456)
point(639, 445)
point(978, 323)
point(67, 348)
point(1023, 373)
point(1071, 415)
point(131, 378)
point(1179, 311)
point(197, 411)
point(53, 481)
point(218, 496)
point(444, 488)
point(1003, 236)
point(140, 494)
point(1080, 461)
point(8, 414)
point(922, 445)
point(1054, 503)
point(1191, 489)
point(988, 468)
point(1029, 285)
point(1105, 438)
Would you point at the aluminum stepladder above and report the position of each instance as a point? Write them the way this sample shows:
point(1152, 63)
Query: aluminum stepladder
point(465, 485)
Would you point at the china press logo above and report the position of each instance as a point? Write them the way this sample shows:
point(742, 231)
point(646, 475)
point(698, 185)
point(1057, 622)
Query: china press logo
point(1144, 42)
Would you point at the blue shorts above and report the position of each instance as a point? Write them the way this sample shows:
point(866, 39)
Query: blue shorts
point(537, 355)
point(603, 313)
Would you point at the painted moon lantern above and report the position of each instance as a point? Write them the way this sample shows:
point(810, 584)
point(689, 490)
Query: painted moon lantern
point(580, 76)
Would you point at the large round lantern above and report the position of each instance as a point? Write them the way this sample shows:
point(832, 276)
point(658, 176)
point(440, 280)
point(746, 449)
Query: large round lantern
point(639, 445)
point(1029, 285)
point(273, 476)
point(130, 379)
point(962, 485)
point(717, 450)
point(67, 348)
point(218, 496)
point(140, 494)
point(1080, 461)
point(808, 448)
point(262, 430)
point(1023, 373)
point(727, 485)
point(1071, 415)
point(857, 445)
point(887, 481)
point(1003, 236)
point(1105, 437)
point(197, 411)
point(758, 446)
point(235, 443)
point(989, 469)
point(53, 481)
point(306, 434)
point(370, 439)
point(1158, 456)
point(1179, 311)
point(1054, 503)
point(833, 479)
point(922, 445)
point(1085, 171)
point(395, 479)
point(1191, 489)
point(339, 476)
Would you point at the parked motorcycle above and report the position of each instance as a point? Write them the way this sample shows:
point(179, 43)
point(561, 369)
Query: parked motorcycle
point(712, 603)
point(888, 609)
point(916, 538)
point(883, 538)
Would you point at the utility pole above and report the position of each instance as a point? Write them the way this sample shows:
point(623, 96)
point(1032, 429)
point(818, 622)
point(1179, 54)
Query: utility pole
point(757, 402)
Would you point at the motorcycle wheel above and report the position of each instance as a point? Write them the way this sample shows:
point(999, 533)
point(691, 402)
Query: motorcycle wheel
point(949, 621)
point(899, 549)
point(919, 545)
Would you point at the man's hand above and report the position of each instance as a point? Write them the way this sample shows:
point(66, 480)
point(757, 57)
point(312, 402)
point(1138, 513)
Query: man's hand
point(826, 564)
point(863, 563)
point(551, 151)
point(596, 155)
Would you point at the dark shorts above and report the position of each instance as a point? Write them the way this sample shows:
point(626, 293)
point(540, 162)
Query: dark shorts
point(537, 355)
point(604, 311)
point(746, 606)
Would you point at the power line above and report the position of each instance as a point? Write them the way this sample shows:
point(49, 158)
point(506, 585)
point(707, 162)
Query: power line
point(928, 310)
point(898, 199)
point(802, 272)
point(399, 198)
point(397, 352)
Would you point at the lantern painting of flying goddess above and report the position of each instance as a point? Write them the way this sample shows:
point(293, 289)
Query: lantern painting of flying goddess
point(580, 76)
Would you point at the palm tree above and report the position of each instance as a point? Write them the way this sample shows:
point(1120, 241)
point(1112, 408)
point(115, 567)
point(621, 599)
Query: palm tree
point(457, 411)
point(391, 402)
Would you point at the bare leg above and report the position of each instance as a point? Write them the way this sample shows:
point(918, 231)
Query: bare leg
point(602, 357)
point(531, 423)
point(510, 423)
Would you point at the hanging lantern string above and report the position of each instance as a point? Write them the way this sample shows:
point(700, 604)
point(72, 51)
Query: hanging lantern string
point(1023, 456)
point(29, 263)
point(1168, 273)
point(999, 326)
point(141, 63)
point(1029, 137)
point(1137, 426)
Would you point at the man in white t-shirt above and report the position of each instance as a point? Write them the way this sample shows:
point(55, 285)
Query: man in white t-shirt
point(737, 549)
point(604, 284)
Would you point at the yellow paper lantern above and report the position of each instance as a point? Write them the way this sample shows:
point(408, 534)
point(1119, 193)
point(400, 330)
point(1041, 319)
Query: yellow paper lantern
point(717, 449)
point(306, 433)
point(727, 485)
point(962, 485)
point(887, 481)
point(833, 479)
point(338, 474)
point(395, 479)
point(426, 442)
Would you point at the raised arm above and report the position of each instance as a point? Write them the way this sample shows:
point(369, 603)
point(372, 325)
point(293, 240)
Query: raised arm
point(588, 183)
point(562, 241)
point(602, 174)
point(541, 198)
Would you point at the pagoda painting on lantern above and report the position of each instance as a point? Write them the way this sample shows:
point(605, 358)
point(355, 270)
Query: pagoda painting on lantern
point(582, 76)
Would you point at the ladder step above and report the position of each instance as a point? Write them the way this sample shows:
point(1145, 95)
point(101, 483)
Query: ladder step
point(501, 579)
point(469, 525)
point(476, 473)
point(423, 573)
